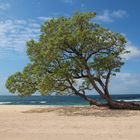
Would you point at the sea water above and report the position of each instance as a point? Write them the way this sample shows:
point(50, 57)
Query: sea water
point(60, 100)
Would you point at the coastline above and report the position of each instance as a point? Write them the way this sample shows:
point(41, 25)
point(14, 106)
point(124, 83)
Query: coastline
point(60, 100)
point(35, 122)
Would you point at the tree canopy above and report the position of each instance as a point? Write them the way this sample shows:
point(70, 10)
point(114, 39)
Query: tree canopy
point(71, 56)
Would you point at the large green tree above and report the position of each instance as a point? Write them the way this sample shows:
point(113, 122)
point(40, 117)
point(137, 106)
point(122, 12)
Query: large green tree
point(73, 55)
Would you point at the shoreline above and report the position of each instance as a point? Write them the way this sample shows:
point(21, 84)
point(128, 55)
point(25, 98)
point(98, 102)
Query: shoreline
point(41, 122)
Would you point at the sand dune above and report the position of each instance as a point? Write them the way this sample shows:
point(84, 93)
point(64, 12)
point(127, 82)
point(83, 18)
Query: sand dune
point(67, 123)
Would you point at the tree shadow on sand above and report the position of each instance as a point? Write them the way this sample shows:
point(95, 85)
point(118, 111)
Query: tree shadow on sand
point(84, 111)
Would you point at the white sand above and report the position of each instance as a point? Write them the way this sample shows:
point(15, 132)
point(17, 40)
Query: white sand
point(67, 123)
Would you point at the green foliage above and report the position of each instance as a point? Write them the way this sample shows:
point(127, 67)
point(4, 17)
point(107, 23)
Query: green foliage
point(66, 49)
point(21, 83)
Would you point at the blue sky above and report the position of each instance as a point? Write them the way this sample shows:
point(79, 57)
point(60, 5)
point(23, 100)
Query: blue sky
point(20, 21)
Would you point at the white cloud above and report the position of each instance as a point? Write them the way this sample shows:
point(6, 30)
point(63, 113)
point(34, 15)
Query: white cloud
point(125, 83)
point(119, 14)
point(4, 6)
point(15, 33)
point(108, 16)
point(44, 18)
point(134, 51)
point(105, 17)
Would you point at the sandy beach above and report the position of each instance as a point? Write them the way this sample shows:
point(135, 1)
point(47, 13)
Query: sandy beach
point(67, 123)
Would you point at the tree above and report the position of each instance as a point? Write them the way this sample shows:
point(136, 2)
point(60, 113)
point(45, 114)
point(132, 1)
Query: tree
point(73, 55)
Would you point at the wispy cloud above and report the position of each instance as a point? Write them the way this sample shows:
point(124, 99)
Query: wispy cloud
point(119, 14)
point(15, 33)
point(134, 52)
point(4, 6)
point(104, 17)
point(108, 16)
point(125, 83)
point(44, 18)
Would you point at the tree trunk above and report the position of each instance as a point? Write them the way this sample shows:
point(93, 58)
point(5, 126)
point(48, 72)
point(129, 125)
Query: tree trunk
point(112, 104)
point(88, 99)
point(123, 105)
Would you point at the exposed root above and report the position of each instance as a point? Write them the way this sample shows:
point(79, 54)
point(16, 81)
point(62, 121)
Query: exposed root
point(124, 105)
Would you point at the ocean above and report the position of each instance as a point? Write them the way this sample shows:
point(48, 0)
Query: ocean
point(60, 100)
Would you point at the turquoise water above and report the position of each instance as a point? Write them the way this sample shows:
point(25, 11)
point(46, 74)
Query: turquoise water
point(59, 100)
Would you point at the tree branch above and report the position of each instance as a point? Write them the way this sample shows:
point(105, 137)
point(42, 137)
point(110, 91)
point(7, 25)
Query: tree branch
point(90, 100)
point(107, 78)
